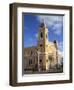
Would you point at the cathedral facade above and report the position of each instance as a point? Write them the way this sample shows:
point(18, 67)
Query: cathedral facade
point(43, 56)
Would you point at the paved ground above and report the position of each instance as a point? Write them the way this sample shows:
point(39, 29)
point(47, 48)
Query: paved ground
point(42, 72)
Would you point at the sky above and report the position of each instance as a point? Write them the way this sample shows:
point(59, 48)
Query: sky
point(54, 24)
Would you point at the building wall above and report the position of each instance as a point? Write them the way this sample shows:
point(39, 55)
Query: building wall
point(32, 54)
point(30, 58)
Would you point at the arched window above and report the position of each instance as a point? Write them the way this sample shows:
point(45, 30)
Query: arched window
point(40, 60)
point(47, 60)
point(30, 61)
point(31, 52)
point(40, 45)
point(50, 58)
point(41, 35)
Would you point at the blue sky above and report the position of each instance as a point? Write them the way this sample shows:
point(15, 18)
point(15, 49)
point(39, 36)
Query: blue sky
point(31, 26)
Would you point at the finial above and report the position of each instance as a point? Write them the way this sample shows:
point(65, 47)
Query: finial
point(55, 43)
point(44, 22)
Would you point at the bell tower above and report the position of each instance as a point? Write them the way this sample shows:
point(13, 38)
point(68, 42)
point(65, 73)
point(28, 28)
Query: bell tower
point(42, 37)
point(42, 43)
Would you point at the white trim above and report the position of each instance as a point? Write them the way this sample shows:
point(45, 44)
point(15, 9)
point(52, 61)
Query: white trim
point(43, 77)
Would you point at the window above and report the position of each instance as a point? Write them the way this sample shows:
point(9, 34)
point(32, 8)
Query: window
point(31, 52)
point(40, 60)
point(41, 35)
point(40, 45)
point(30, 61)
point(50, 58)
point(47, 60)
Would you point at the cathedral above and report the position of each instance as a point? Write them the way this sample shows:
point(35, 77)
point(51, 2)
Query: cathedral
point(44, 55)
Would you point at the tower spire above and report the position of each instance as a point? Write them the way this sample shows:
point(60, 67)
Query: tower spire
point(43, 23)
point(43, 20)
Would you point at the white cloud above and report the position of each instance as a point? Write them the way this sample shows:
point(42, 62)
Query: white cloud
point(60, 53)
point(57, 28)
point(49, 20)
point(55, 22)
point(36, 35)
point(60, 46)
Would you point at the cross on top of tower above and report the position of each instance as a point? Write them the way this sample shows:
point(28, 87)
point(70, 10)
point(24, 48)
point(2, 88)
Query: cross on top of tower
point(43, 23)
